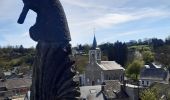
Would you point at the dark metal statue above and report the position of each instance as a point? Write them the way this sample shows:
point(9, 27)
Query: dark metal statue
point(53, 70)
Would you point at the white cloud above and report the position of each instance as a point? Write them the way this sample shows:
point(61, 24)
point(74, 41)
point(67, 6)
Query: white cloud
point(85, 4)
point(112, 19)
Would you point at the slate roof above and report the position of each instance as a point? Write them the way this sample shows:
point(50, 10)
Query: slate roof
point(2, 84)
point(153, 73)
point(91, 92)
point(111, 88)
point(110, 65)
point(16, 83)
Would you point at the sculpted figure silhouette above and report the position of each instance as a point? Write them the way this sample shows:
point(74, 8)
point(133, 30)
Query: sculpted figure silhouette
point(51, 23)
point(53, 70)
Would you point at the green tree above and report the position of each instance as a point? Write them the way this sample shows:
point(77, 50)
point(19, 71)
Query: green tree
point(86, 48)
point(167, 40)
point(148, 56)
point(162, 55)
point(133, 69)
point(120, 53)
point(115, 52)
point(81, 62)
point(149, 94)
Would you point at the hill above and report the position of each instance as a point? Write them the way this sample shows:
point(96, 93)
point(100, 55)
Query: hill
point(16, 56)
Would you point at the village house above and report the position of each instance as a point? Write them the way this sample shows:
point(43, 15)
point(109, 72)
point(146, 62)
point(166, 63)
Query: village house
point(153, 73)
point(12, 88)
point(98, 71)
point(110, 90)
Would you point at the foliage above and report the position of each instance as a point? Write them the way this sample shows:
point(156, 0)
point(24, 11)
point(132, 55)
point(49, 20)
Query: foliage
point(162, 55)
point(148, 57)
point(155, 43)
point(149, 94)
point(140, 48)
point(133, 69)
point(167, 40)
point(81, 62)
point(115, 52)
point(120, 53)
point(11, 56)
point(107, 49)
point(84, 48)
point(161, 89)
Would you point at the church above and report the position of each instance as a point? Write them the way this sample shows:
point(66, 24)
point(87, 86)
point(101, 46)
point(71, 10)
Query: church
point(97, 71)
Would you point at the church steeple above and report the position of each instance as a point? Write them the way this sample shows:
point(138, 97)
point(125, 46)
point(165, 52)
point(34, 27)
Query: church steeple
point(94, 46)
point(94, 53)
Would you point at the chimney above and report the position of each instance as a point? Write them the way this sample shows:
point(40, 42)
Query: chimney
point(103, 86)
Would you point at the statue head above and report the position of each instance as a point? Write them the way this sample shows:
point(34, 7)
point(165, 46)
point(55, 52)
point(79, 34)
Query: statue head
point(51, 23)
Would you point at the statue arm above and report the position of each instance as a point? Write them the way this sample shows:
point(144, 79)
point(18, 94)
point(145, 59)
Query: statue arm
point(23, 14)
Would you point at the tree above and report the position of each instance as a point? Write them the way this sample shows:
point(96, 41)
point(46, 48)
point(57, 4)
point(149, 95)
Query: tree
point(132, 43)
point(115, 52)
point(120, 53)
point(162, 55)
point(107, 50)
point(148, 57)
point(167, 40)
point(148, 94)
point(155, 43)
point(133, 69)
point(86, 48)
point(104, 48)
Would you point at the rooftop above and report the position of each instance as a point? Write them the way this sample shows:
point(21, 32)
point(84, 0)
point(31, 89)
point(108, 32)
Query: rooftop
point(114, 90)
point(16, 83)
point(91, 92)
point(110, 65)
point(153, 72)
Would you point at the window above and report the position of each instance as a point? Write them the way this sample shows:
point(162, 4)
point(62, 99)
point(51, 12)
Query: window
point(106, 77)
point(142, 82)
point(88, 80)
point(98, 80)
point(98, 55)
point(92, 91)
point(109, 78)
point(93, 55)
point(147, 82)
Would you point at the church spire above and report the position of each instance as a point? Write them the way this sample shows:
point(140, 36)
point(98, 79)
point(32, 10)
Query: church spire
point(94, 43)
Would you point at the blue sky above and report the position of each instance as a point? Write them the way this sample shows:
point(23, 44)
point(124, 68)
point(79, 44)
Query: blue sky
point(113, 20)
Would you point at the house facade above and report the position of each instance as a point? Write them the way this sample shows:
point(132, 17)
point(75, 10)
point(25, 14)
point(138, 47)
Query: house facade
point(153, 73)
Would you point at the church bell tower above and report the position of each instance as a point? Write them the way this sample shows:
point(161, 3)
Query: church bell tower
point(94, 53)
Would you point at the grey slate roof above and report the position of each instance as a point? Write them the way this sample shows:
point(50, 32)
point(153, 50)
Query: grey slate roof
point(91, 92)
point(2, 84)
point(110, 65)
point(153, 73)
point(112, 88)
point(16, 83)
